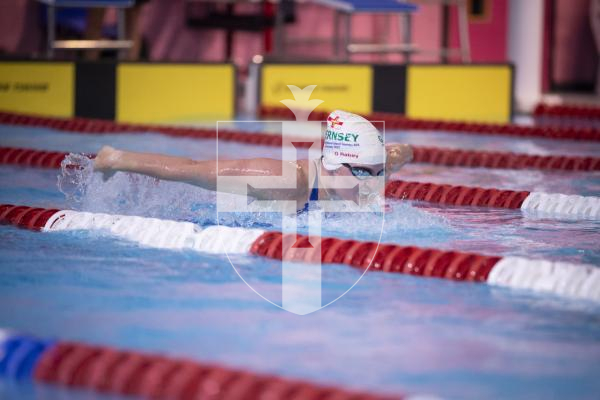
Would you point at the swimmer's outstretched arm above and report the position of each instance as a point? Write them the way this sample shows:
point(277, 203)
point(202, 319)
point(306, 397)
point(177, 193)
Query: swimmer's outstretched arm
point(202, 173)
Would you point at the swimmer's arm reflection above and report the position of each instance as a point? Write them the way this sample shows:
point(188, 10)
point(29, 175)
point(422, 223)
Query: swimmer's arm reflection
point(202, 173)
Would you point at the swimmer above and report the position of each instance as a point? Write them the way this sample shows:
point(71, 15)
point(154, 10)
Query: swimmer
point(353, 147)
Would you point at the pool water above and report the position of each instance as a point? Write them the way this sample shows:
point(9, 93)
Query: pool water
point(391, 333)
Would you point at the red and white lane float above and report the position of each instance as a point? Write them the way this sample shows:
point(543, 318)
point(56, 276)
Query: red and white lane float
point(548, 204)
point(559, 278)
point(150, 376)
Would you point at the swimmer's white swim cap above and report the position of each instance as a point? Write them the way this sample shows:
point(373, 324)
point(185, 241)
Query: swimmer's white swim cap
point(350, 138)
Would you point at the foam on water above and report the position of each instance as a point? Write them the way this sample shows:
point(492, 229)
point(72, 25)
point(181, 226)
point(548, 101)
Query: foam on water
point(134, 194)
point(128, 194)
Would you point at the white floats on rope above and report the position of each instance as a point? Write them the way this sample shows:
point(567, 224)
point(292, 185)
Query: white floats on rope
point(560, 278)
point(159, 233)
point(563, 205)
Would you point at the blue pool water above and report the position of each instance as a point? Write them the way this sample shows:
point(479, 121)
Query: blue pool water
point(390, 333)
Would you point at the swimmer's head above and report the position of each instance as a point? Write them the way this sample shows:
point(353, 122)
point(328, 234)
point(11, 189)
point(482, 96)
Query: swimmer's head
point(351, 139)
point(353, 147)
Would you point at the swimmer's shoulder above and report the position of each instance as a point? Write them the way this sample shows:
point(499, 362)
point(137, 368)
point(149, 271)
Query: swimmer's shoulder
point(303, 164)
point(309, 168)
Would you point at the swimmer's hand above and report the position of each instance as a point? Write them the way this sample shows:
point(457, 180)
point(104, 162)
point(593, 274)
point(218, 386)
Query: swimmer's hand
point(397, 156)
point(106, 161)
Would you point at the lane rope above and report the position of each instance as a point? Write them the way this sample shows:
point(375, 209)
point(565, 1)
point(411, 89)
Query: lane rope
point(425, 155)
point(545, 204)
point(31, 158)
point(430, 155)
point(502, 160)
point(574, 111)
point(563, 279)
point(150, 376)
point(549, 204)
point(399, 121)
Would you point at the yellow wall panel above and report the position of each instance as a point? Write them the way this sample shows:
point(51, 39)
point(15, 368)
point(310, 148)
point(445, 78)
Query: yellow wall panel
point(468, 93)
point(38, 88)
point(175, 93)
point(346, 87)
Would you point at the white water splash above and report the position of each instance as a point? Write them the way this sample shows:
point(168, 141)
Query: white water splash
point(131, 194)
point(134, 194)
point(76, 172)
point(401, 218)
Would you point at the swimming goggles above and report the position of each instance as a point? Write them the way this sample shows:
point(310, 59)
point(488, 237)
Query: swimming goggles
point(363, 173)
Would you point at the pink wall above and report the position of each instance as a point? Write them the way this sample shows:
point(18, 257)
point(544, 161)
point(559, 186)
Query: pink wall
point(317, 21)
point(163, 23)
point(574, 52)
point(18, 27)
point(488, 36)
point(427, 31)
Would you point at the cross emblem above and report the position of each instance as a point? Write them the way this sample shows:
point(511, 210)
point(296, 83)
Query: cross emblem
point(300, 284)
point(335, 121)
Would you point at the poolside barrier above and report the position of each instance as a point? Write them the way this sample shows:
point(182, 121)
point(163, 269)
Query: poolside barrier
point(553, 205)
point(151, 376)
point(430, 155)
point(559, 278)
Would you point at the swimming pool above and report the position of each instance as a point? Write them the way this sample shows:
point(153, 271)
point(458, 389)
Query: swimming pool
point(390, 334)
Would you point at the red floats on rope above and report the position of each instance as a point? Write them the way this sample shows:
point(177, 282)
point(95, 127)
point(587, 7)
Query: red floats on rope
point(567, 110)
point(428, 155)
point(31, 158)
point(82, 125)
point(24, 216)
point(473, 158)
point(455, 195)
point(151, 376)
point(382, 257)
point(397, 121)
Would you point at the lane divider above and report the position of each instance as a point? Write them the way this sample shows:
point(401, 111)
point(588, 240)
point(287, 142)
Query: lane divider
point(399, 121)
point(502, 160)
point(552, 205)
point(427, 155)
point(150, 376)
point(549, 204)
point(31, 158)
point(567, 110)
point(564, 279)
point(430, 155)
point(84, 125)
